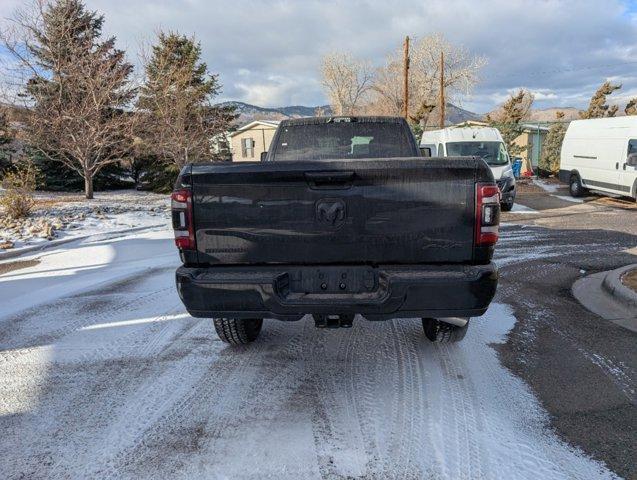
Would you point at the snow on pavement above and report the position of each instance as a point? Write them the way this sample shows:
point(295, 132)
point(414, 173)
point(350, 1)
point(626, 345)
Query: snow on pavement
point(548, 187)
point(519, 208)
point(554, 188)
point(104, 375)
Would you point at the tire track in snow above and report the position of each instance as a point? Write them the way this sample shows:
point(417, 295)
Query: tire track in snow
point(376, 401)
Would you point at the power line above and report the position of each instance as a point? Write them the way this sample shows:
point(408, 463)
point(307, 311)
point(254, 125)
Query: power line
point(561, 70)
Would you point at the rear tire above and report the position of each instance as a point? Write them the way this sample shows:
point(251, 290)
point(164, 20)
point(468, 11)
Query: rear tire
point(441, 332)
point(238, 331)
point(575, 187)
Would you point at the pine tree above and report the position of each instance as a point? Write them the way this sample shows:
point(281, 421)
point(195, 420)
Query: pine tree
point(552, 147)
point(6, 137)
point(79, 89)
point(178, 121)
point(508, 117)
point(631, 107)
point(598, 108)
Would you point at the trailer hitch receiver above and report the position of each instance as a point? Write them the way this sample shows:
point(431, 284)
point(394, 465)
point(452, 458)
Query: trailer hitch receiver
point(333, 321)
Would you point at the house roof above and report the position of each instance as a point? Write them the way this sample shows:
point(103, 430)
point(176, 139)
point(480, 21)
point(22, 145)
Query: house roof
point(256, 123)
point(535, 127)
point(471, 123)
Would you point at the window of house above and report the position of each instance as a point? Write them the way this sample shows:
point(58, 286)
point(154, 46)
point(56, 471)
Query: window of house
point(247, 147)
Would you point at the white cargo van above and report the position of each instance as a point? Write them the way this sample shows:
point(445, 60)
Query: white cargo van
point(600, 154)
point(484, 142)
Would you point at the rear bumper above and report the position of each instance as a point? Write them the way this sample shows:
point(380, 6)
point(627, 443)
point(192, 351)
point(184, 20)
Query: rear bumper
point(377, 293)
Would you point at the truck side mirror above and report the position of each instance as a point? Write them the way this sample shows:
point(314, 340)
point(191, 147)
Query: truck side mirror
point(631, 161)
point(263, 156)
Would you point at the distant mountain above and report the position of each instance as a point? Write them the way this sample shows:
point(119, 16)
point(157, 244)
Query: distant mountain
point(548, 114)
point(248, 113)
point(455, 114)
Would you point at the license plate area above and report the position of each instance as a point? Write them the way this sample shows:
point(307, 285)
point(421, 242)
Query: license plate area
point(330, 280)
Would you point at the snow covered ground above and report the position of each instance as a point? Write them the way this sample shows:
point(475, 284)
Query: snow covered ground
point(519, 208)
point(65, 216)
point(554, 188)
point(104, 375)
point(550, 187)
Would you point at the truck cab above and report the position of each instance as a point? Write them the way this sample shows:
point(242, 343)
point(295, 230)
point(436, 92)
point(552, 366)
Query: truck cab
point(483, 142)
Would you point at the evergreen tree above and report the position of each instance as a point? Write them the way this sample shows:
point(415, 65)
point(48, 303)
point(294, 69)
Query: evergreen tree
point(508, 117)
point(6, 137)
point(631, 107)
point(598, 108)
point(79, 89)
point(551, 149)
point(179, 123)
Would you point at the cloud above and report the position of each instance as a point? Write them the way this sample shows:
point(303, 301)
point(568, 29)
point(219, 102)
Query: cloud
point(268, 51)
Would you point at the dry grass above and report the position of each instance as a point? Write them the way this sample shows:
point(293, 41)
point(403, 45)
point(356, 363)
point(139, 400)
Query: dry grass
point(50, 202)
point(630, 279)
point(19, 184)
point(12, 266)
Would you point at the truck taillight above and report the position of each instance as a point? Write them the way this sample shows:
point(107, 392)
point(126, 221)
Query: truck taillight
point(181, 205)
point(487, 214)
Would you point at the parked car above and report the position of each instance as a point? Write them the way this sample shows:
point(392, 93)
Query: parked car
point(483, 142)
point(600, 154)
point(342, 218)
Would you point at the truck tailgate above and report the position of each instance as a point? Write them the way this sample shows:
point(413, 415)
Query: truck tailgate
point(387, 211)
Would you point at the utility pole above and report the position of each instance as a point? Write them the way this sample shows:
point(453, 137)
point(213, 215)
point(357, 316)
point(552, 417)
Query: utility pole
point(406, 80)
point(442, 89)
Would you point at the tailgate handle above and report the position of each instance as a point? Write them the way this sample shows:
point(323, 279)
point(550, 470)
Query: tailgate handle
point(330, 180)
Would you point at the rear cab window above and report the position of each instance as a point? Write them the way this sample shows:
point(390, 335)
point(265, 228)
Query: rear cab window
point(344, 139)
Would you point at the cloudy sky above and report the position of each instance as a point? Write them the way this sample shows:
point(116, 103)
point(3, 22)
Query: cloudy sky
point(268, 52)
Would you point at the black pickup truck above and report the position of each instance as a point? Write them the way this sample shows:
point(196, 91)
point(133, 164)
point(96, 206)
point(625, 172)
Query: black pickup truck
point(342, 217)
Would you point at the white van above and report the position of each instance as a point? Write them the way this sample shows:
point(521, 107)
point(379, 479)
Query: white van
point(485, 142)
point(600, 154)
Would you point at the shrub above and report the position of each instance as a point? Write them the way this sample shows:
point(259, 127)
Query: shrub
point(19, 184)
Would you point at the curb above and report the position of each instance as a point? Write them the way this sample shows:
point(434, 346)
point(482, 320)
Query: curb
point(613, 285)
point(56, 243)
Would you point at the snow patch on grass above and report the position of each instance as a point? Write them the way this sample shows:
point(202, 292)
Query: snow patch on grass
point(63, 216)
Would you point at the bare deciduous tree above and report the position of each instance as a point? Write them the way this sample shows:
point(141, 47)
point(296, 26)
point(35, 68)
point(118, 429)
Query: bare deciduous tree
point(461, 70)
point(76, 85)
point(346, 81)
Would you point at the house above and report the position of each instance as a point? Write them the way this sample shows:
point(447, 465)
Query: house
point(531, 140)
point(248, 142)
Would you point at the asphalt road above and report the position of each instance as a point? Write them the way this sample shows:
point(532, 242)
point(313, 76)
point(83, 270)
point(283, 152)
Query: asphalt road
point(104, 375)
point(582, 368)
